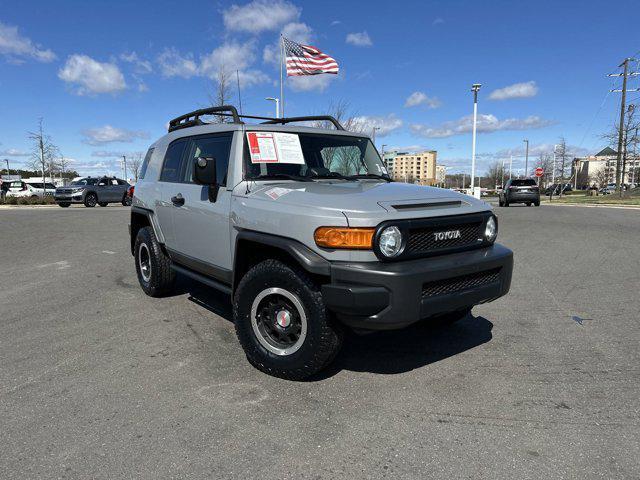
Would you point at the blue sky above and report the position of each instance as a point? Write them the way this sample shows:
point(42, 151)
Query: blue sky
point(106, 76)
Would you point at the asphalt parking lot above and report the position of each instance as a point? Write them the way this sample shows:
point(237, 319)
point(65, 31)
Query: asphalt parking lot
point(99, 381)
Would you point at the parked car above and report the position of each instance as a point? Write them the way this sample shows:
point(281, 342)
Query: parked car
point(608, 189)
point(22, 189)
point(555, 189)
point(520, 190)
point(92, 191)
point(305, 242)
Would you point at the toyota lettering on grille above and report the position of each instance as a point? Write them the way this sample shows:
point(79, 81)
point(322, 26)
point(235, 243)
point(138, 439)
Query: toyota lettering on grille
point(449, 235)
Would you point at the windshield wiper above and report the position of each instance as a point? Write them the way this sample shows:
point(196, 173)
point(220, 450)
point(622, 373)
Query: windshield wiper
point(334, 175)
point(285, 176)
point(370, 175)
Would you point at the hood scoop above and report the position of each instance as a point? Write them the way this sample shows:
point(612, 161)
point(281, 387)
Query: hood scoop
point(423, 204)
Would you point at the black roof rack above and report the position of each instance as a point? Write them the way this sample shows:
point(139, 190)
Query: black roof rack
point(192, 119)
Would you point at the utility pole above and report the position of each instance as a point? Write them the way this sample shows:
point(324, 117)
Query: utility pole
point(474, 88)
point(124, 163)
point(625, 74)
point(8, 171)
point(526, 158)
point(510, 166)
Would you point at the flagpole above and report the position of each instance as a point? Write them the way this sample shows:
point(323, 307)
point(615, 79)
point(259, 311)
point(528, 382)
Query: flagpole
point(281, 77)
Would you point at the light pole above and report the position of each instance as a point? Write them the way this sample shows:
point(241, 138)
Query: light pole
point(7, 160)
point(474, 88)
point(124, 164)
point(510, 166)
point(382, 153)
point(277, 100)
point(373, 136)
point(553, 173)
point(526, 158)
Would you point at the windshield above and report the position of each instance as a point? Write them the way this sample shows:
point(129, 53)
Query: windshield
point(317, 156)
point(85, 181)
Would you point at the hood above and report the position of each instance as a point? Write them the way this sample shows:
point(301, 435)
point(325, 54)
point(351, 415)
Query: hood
point(367, 199)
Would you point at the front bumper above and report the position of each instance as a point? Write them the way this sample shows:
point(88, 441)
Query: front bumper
point(386, 295)
point(77, 198)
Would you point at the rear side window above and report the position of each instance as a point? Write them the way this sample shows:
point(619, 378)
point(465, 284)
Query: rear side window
point(523, 183)
point(145, 164)
point(172, 162)
point(216, 146)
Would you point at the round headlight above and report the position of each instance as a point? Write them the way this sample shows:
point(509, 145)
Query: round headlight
point(491, 230)
point(390, 241)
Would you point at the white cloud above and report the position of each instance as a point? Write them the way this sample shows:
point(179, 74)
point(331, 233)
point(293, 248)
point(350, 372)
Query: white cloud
point(109, 134)
point(517, 90)
point(421, 98)
point(230, 56)
point(359, 39)
point(16, 47)
point(334, 23)
point(174, 64)
point(260, 16)
point(437, 21)
point(487, 123)
point(14, 152)
point(308, 83)
point(113, 154)
point(142, 67)
point(91, 76)
point(366, 124)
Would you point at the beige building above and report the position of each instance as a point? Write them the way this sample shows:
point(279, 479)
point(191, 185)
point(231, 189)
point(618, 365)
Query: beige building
point(418, 167)
point(600, 169)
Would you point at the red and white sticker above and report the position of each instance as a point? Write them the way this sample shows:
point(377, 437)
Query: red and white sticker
point(275, 147)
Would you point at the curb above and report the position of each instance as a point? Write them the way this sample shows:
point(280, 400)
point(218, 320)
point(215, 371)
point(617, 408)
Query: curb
point(592, 205)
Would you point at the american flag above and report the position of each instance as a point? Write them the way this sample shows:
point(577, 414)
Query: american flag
point(307, 60)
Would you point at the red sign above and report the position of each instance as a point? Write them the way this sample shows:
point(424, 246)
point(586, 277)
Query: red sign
point(539, 172)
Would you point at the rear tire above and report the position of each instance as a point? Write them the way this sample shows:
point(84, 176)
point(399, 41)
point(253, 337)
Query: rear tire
point(64, 205)
point(153, 266)
point(126, 201)
point(537, 204)
point(528, 204)
point(90, 200)
point(103, 204)
point(282, 322)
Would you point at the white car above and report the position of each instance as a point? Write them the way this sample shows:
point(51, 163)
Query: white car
point(22, 189)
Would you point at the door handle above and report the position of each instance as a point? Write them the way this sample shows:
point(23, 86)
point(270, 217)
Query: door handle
point(178, 200)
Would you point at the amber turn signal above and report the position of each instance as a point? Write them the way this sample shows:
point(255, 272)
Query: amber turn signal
point(344, 237)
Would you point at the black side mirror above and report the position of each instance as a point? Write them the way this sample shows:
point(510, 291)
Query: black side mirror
point(204, 173)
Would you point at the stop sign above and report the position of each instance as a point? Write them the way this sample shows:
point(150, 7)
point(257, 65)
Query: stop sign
point(539, 172)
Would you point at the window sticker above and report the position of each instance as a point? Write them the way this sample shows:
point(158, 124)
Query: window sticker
point(277, 192)
point(262, 147)
point(275, 147)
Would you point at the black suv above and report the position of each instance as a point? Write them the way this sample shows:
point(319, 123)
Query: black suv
point(520, 190)
point(94, 191)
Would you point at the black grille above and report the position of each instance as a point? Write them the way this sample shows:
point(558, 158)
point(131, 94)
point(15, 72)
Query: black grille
point(460, 284)
point(424, 239)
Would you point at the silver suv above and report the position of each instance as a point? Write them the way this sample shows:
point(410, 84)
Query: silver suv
point(92, 191)
point(308, 234)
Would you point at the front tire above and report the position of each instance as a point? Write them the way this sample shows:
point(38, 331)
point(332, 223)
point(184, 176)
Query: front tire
point(537, 204)
point(103, 204)
point(90, 200)
point(153, 266)
point(64, 205)
point(282, 322)
point(126, 201)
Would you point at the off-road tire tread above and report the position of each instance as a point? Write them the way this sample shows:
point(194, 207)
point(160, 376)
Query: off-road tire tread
point(162, 275)
point(324, 348)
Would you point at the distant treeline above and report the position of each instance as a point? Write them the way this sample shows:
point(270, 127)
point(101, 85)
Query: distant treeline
point(34, 173)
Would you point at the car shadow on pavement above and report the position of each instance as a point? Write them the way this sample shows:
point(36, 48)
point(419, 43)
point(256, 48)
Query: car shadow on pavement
point(386, 352)
point(400, 351)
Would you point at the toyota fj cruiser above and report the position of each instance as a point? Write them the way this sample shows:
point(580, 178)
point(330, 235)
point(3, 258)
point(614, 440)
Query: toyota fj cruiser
point(304, 228)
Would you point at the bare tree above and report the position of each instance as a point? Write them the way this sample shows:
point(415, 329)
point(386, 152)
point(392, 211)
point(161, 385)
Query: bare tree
point(563, 163)
point(629, 135)
point(44, 153)
point(600, 178)
point(495, 173)
point(221, 92)
point(135, 163)
point(545, 161)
